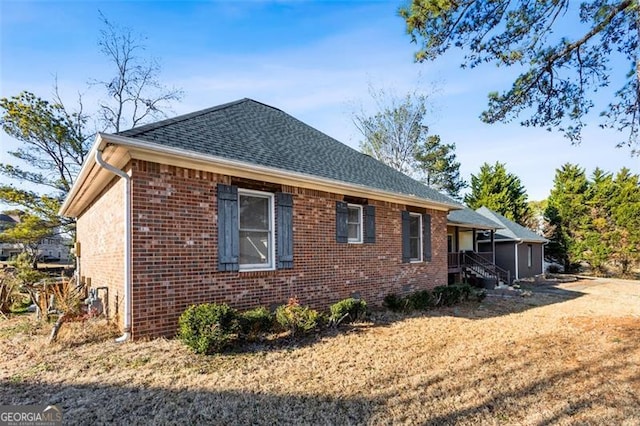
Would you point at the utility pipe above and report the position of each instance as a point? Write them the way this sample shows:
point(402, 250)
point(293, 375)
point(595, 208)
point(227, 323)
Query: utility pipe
point(127, 243)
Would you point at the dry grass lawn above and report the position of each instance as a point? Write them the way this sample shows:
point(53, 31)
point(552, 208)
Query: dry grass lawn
point(566, 356)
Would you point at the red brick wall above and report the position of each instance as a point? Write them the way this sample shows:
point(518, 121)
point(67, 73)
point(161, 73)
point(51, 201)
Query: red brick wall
point(175, 252)
point(100, 232)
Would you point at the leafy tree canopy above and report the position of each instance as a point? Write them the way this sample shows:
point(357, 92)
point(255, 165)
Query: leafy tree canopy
point(563, 50)
point(500, 191)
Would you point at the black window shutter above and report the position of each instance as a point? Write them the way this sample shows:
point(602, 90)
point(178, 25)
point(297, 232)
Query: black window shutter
point(406, 244)
point(228, 233)
point(342, 214)
point(426, 236)
point(369, 224)
point(284, 246)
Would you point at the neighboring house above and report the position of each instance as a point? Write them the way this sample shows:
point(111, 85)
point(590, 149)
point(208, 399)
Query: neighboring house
point(246, 205)
point(517, 249)
point(54, 248)
point(8, 250)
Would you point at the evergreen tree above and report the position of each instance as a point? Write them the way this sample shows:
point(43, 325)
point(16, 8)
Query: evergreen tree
point(625, 214)
point(500, 191)
point(594, 239)
point(438, 166)
point(566, 213)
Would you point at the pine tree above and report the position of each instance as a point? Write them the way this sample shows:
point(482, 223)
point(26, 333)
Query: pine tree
point(438, 166)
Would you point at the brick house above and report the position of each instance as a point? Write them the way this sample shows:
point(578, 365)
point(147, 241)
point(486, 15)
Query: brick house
point(244, 204)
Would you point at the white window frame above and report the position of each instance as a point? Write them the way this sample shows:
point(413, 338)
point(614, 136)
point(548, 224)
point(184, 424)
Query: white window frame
point(420, 236)
point(272, 235)
point(360, 238)
point(529, 255)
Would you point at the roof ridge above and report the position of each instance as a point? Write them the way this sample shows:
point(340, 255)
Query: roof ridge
point(184, 117)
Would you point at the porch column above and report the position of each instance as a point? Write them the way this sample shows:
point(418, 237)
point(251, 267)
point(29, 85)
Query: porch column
point(493, 246)
point(475, 240)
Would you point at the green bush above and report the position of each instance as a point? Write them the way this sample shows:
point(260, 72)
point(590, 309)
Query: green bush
point(480, 294)
point(208, 328)
point(420, 300)
point(297, 319)
point(255, 321)
point(348, 310)
point(395, 303)
point(448, 295)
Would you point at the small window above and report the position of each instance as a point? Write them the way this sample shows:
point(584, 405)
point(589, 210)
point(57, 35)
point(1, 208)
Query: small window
point(529, 255)
point(415, 237)
point(256, 230)
point(354, 223)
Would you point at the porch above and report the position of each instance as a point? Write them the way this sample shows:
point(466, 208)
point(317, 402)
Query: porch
point(478, 268)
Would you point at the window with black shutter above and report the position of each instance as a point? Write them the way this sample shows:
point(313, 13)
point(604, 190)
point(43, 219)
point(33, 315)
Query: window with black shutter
point(246, 234)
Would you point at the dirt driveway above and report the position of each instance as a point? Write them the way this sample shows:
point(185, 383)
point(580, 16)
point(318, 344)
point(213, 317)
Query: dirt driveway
point(569, 354)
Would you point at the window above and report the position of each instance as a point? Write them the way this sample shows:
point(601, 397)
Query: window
point(256, 230)
point(415, 237)
point(354, 223)
point(247, 223)
point(529, 255)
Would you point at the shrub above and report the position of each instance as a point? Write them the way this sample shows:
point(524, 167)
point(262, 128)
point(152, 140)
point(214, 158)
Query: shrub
point(421, 300)
point(348, 310)
point(395, 303)
point(297, 319)
point(255, 321)
point(480, 294)
point(208, 328)
point(447, 295)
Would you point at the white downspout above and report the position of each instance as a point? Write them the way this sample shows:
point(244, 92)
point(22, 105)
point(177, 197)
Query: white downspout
point(542, 260)
point(517, 277)
point(127, 244)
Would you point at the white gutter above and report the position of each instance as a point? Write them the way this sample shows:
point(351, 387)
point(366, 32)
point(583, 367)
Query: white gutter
point(127, 243)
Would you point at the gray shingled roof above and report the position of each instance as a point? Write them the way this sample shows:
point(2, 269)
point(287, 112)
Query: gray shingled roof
point(511, 229)
point(256, 133)
point(470, 218)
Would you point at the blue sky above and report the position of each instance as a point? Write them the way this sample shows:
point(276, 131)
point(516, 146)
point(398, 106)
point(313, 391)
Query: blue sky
point(314, 60)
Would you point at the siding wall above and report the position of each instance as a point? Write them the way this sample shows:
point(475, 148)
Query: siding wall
point(524, 271)
point(175, 252)
point(100, 231)
point(505, 258)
